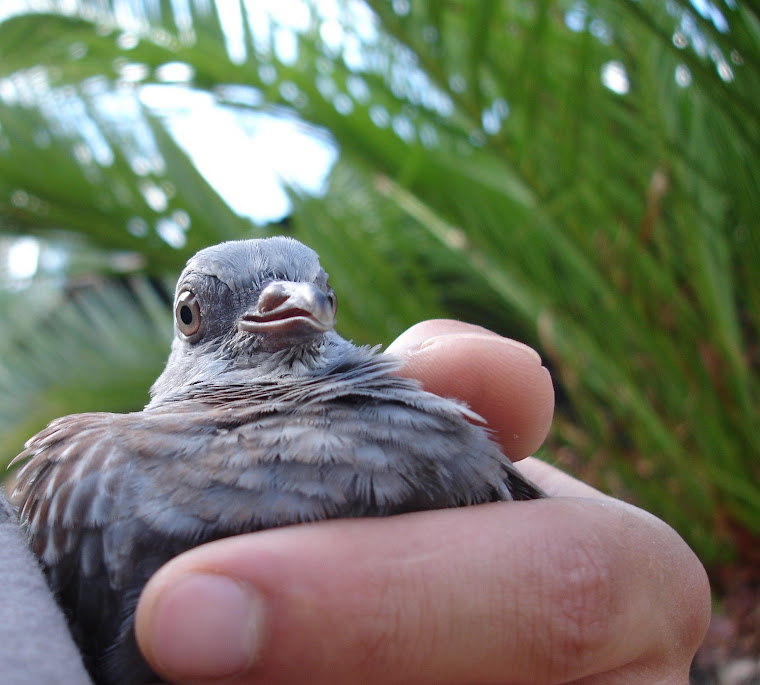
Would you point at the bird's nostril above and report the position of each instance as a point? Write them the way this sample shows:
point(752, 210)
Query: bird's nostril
point(272, 297)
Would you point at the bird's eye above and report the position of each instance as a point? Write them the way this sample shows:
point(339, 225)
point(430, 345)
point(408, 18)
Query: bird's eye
point(332, 298)
point(187, 312)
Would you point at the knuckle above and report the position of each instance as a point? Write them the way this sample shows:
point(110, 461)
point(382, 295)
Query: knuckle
point(394, 638)
point(585, 606)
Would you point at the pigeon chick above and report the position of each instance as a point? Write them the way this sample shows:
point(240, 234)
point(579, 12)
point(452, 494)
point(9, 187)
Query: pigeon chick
point(264, 416)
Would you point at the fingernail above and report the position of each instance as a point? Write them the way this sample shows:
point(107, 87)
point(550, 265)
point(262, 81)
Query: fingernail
point(208, 626)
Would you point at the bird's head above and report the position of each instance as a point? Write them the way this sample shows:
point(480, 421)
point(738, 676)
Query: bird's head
point(248, 304)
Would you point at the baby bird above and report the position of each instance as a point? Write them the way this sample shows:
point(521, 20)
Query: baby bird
point(264, 416)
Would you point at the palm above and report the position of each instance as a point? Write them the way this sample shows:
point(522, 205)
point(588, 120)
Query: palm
point(487, 172)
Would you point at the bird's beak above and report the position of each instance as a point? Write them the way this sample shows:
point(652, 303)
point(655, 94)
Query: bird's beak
point(289, 307)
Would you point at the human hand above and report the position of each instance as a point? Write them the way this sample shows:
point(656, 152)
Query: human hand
point(579, 588)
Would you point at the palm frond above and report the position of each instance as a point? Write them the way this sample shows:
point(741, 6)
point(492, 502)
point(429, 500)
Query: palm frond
point(582, 175)
point(97, 346)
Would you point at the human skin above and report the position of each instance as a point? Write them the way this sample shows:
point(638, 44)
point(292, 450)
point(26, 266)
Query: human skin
point(579, 588)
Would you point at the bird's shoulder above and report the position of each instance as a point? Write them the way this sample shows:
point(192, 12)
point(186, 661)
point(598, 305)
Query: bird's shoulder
point(70, 475)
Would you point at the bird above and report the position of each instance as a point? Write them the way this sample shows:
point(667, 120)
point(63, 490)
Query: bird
point(264, 416)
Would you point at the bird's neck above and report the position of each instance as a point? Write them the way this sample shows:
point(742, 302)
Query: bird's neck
point(333, 358)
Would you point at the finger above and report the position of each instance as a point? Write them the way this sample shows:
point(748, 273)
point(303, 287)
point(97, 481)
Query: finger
point(556, 483)
point(429, 598)
point(501, 379)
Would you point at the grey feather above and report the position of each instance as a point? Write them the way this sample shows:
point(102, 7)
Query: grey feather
point(263, 417)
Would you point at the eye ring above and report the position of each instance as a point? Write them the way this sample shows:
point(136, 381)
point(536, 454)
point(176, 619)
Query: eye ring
point(332, 298)
point(187, 314)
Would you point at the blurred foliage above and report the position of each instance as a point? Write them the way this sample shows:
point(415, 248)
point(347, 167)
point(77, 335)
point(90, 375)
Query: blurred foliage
point(580, 175)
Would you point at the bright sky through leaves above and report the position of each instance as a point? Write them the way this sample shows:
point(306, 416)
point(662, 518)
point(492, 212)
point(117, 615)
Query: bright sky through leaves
point(249, 156)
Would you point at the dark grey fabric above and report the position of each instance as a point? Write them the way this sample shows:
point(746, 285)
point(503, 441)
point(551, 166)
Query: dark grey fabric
point(35, 644)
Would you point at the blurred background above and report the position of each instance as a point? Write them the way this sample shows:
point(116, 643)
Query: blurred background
point(579, 175)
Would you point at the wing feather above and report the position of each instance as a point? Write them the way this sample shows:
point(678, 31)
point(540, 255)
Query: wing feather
point(108, 498)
